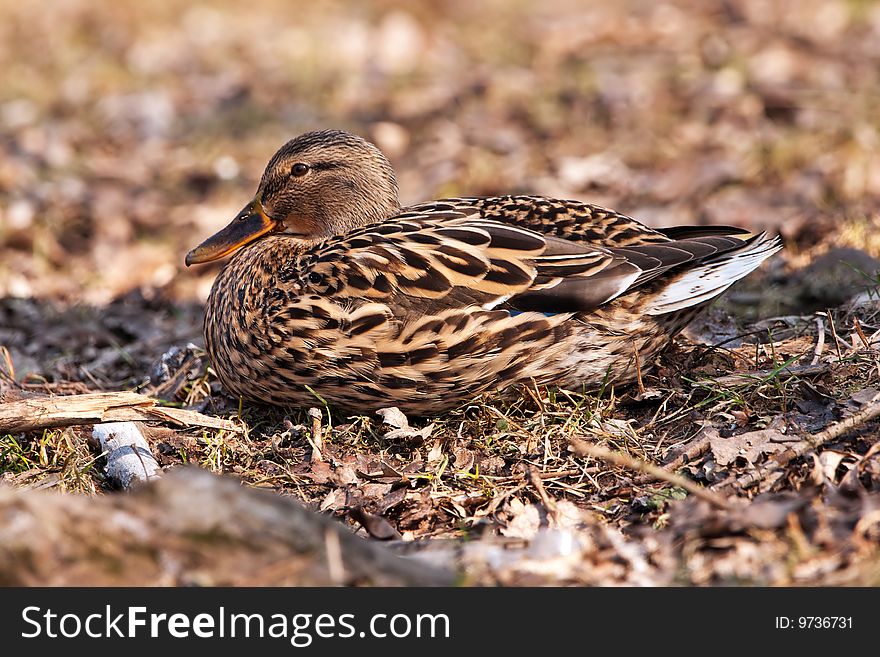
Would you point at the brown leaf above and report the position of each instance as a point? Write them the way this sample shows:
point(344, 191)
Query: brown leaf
point(763, 512)
point(749, 446)
point(375, 491)
point(436, 453)
point(344, 474)
point(391, 500)
point(376, 526)
point(383, 473)
point(334, 500)
point(712, 328)
point(830, 461)
point(395, 418)
point(321, 472)
point(769, 513)
point(863, 396)
point(464, 459)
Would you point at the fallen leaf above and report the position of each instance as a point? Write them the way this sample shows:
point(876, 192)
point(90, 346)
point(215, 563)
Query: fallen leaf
point(377, 527)
point(401, 429)
point(464, 459)
point(863, 396)
point(763, 512)
point(748, 445)
point(382, 473)
point(830, 461)
point(525, 520)
point(334, 500)
point(392, 499)
point(436, 453)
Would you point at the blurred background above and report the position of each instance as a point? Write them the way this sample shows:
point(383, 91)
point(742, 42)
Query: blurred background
point(130, 131)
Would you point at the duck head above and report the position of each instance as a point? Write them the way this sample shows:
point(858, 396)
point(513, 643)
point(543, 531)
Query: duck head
point(317, 185)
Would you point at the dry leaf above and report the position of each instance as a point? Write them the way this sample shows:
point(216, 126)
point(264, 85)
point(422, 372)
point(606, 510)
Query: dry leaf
point(749, 446)
point(377, 527)
point(394, 418)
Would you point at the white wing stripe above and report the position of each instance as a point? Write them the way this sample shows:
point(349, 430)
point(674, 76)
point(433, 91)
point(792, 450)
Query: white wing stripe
point(703, 283)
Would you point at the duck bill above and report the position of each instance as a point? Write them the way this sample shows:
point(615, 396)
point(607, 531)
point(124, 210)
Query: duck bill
point(250, 224)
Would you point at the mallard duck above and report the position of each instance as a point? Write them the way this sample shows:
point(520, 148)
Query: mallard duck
point(334, 290)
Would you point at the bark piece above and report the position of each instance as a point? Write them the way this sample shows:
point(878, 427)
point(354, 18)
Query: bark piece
point(129, 460)
point(38, 413)
point(189, 527)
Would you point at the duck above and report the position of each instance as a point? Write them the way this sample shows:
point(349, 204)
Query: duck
point(336, 294)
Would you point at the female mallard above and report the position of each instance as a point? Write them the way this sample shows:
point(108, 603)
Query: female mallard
point(334, 287)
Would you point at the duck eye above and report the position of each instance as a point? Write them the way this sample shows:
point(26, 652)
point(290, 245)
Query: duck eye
point(315, 278)
point(299, 169)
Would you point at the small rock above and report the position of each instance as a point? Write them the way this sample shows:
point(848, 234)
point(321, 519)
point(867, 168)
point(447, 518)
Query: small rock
point(835, 277)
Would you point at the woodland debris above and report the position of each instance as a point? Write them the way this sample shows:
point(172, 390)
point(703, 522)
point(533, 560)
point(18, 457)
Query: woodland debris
point(129, 460)
point(400, 428)
point(37, 413)
point(534, 476)
point(585, 448)
point(82, 205)
point(870, 411)
point(189, 527)
point(687, 453)
point(375, 525)
point(745, 378)
point(750, 445)
point(171, 371)
point(316, 440)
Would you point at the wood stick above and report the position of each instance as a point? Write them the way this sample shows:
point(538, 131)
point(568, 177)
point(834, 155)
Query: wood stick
point(47, 412)
point(638, 370)
point(699, 445)
point(549, 503)
point(743, 378)
point(129, 460)
point(820, 341)
point(317, 438)
point(585, 448)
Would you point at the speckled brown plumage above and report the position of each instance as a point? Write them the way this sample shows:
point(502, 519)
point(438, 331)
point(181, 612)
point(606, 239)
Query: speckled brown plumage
point(429, 306)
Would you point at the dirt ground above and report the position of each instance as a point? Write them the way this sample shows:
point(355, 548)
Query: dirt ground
point(131, 131)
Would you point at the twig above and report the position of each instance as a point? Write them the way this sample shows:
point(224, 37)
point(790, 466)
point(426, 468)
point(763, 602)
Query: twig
point(568, 473)
point(834, 334)
point(549, 503)
point(820, 341)
point(536, 396)
point(698, 446)
point(8, 371)
point(61, 411)
point(317, 438)
point(585, 448)
point(858, 327)
point(558, 474)
point(176, 381)
point(742, 378)
point(868, 413)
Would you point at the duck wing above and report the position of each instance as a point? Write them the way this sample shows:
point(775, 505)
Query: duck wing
point(573, 221)
point(449, 259)
point(454, 258)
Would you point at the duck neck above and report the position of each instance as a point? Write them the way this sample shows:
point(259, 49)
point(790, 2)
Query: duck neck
point(341, 218)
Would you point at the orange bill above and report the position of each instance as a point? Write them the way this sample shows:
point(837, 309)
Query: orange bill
point(251, 223)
